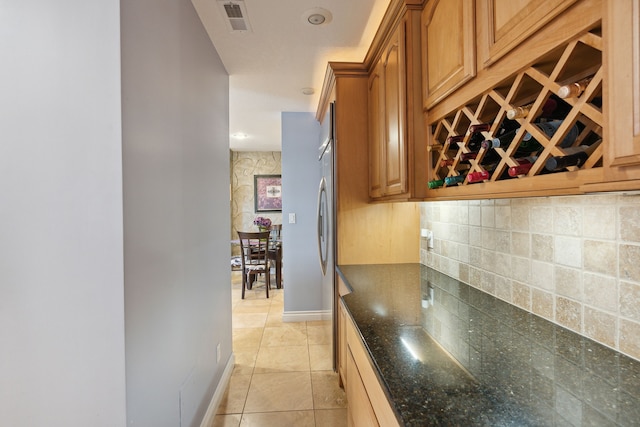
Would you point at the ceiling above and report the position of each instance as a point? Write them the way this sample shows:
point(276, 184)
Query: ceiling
point(283, 53)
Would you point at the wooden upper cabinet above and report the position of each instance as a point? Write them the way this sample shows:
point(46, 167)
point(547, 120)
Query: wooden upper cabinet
point(387, 119)
point(504, 24)
point(448, 47)
point(623, 22)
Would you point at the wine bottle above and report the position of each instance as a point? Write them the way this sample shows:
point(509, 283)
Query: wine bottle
point(574, 90)
point(476, 139)
point(451, 180)
point(550, 128)
point(501, 141)
point(521, 112)
point(574, 156)
point(468, 156)
point(454, 139)
point(446, 162)
point(477, 176)
point(435, 183)
point(524, 165)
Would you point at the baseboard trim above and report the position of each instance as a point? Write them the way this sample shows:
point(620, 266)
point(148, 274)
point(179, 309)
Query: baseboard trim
point(219, 393)
point(306, 316)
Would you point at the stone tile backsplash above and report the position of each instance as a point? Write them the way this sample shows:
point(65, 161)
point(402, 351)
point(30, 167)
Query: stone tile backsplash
point(573, 260)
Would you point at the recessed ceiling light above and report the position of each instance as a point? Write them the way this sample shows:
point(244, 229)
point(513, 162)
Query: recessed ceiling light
point(239, 135)
point(317, 16)
point(308, 90)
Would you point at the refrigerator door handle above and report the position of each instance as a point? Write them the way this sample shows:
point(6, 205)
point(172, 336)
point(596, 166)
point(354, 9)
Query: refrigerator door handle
point(322, 225)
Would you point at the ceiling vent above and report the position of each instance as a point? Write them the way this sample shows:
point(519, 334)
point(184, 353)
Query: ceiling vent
point(235, 15)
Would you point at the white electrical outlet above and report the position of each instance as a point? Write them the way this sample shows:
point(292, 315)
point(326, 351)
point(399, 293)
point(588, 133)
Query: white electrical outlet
point(292, 218)
point(218, 353)
point(429, 239)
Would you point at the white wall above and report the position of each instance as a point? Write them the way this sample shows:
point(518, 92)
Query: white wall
point(61, 272)
point(176, 213)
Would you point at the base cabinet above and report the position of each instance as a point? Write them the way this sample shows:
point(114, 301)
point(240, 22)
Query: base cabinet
point(367, 402)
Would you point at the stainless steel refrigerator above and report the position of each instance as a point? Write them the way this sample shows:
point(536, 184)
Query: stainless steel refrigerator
point(326, 220)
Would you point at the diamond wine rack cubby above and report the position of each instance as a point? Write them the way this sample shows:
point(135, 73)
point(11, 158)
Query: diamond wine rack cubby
point(546, 119)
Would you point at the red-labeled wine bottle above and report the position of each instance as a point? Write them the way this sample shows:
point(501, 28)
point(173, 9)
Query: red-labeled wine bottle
point(524, 165)
point(477, 176)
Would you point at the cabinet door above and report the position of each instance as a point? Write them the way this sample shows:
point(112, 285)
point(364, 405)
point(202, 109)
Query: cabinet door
point(342, 344)
point(394, 149)
point(360, 411)
point(448, 43)
point(504, 24)
point(623, 21)
point(375, 132)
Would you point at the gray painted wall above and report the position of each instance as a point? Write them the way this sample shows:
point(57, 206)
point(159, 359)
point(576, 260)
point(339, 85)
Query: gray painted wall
point(176, 213)
point(62, 361)
point(300, 179)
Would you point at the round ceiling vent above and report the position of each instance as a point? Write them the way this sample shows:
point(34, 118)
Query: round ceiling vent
point(317, 16)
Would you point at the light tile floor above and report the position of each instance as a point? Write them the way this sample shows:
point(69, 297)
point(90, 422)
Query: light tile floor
point(283, 373)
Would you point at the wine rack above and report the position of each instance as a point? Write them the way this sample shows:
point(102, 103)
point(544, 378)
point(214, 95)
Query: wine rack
point(537, 87)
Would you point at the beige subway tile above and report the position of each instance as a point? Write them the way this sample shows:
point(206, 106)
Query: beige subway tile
point(630, 300)
point(600, 291)
point(488, 283)
point(489, 238)
point(542, 276)
point(600, 257)
point(503, 241)
point(475, 277)
point(568, 251)
point(569, 313)
point(489, 260)
point(475, 236)
point(488, 216)
point(475, 215)
point(629, 338)
point(542, 247)
point(521, 295)
point(630, 223)
point(629, 262)
point(599, 222)
point(567, 220)
point(521, 269)
point(521, 244)
point(520, 218)
point(542, 303)
point(568, 282)
point(541, 218)
point(503, 288)
point(503, 217)
point(600, 326)
point(503, 264)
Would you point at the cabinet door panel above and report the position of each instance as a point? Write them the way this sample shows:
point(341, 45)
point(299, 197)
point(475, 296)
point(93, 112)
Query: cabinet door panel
point(375, 133)
point(395, 166)
point(360, 410)
point(504, 24)
point(448, 39)
point(624, 65)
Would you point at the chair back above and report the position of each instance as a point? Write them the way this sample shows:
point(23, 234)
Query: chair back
point(255, 249)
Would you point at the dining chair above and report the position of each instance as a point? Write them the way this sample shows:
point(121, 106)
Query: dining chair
point(255, 258)
point(275, 251)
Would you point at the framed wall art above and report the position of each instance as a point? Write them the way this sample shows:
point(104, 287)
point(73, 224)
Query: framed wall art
point(267, 193)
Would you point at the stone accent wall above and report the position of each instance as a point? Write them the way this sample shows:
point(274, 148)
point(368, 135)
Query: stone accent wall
point(244, 165)
point(572, 260)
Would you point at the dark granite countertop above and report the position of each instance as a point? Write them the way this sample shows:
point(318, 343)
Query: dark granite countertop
point(451, 355)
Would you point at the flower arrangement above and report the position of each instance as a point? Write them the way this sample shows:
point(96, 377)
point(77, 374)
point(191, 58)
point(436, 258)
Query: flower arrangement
point(262, 223)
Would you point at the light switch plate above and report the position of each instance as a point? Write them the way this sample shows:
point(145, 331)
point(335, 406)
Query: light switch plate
point(292, 218)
